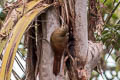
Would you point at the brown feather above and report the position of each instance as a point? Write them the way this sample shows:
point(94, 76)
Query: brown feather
point(56, 65)
point(58, 44)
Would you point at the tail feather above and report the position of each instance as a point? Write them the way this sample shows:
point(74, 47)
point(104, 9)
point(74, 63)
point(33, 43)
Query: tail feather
point(56, 66)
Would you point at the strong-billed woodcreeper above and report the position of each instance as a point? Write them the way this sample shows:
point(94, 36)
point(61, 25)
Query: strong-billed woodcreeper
point(59, 39)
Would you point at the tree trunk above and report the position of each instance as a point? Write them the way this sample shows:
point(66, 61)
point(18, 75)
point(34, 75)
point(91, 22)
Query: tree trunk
point(86, 53)
point(83, 55)
point(46, 67)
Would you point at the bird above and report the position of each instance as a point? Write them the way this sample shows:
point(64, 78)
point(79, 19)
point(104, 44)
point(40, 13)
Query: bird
point(58, 41)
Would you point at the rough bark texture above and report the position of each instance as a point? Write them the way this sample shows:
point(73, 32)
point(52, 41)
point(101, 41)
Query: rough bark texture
point(81, 39)
point(92, 15)
point(31, 56)
point(95, 25)
point(39, 34)
point(95, 21)
point(87, 54)
point(84, 55)
point(46, 70)
point(80, 33)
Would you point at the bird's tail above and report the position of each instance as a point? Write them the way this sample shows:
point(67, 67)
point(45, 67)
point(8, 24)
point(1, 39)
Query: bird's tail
point(56, 66)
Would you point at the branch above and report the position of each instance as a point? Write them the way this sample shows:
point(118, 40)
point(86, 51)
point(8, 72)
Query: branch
point(109, 17)
point(104, 1)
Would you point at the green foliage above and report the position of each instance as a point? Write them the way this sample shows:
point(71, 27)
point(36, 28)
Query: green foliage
point(109, 4)
point(111, 36)
point(102, 1)
point(114, 16)
point(111, 32)
point(2, 15)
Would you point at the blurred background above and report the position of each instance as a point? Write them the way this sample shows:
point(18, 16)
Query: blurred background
point(109, 66)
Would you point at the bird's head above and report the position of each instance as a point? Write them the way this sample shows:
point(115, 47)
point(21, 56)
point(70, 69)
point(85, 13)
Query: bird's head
point(64, 30)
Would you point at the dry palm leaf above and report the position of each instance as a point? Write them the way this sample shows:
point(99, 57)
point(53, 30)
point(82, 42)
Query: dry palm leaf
point(15, 35)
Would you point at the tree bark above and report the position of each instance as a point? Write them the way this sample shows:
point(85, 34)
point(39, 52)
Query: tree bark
point(31, 55)
point(87, 54)
point(46, 68)
point(80, 33)
point(84, 55)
